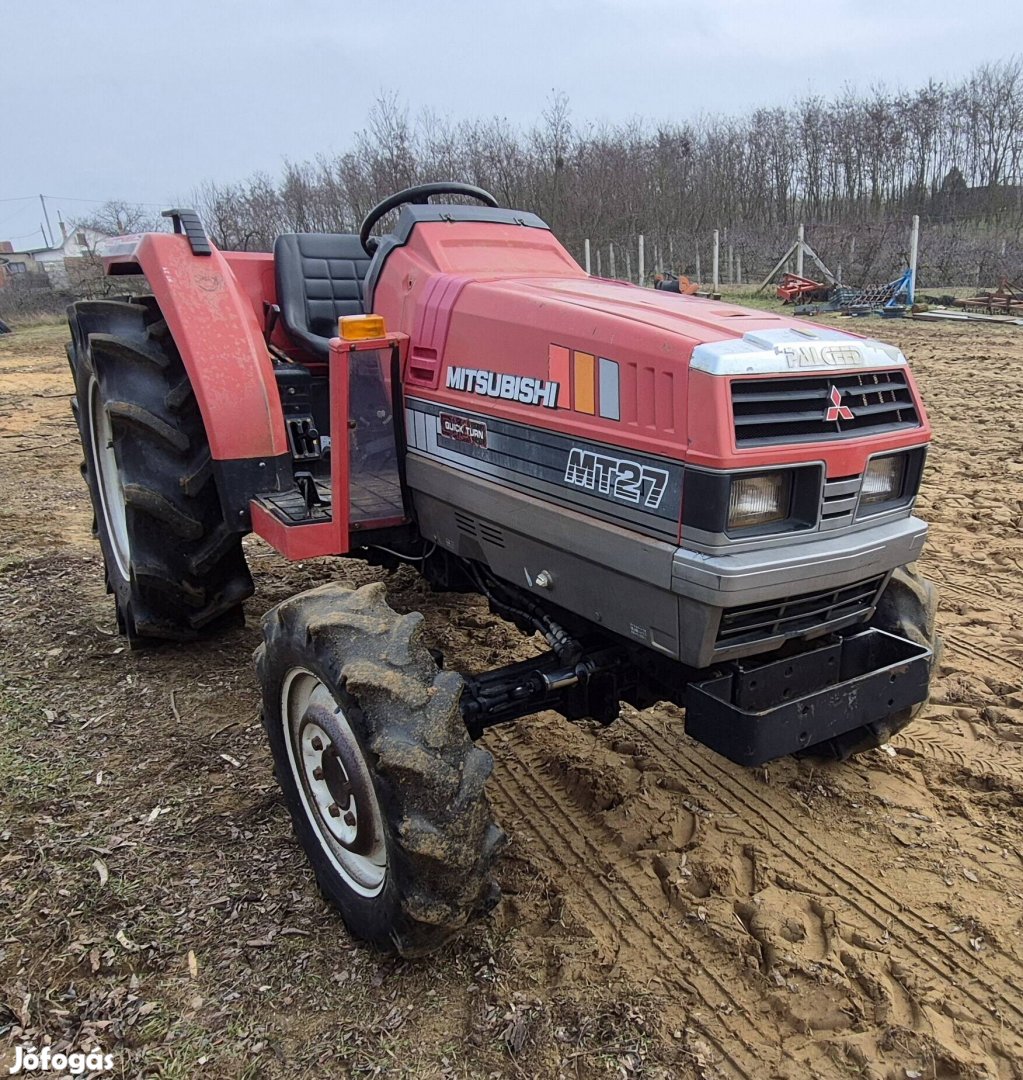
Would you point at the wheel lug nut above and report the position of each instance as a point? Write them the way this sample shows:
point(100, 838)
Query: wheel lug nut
point(317, 743)
point(350, 819)
point(334, 810)
point(317, 773)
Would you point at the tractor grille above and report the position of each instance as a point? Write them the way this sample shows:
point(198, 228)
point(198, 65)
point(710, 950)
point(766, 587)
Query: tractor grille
point(838, 502)
point(794, 409)
point(757, 622)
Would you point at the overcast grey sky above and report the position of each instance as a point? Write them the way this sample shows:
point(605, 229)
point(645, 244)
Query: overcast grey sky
point(142, 100)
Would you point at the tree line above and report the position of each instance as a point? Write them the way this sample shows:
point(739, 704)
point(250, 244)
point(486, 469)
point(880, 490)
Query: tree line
point(853, 167)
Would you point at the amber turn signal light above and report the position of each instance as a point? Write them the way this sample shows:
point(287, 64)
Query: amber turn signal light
point(361, 327)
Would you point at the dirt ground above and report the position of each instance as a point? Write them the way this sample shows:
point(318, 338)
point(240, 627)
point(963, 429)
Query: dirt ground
point(666, 914)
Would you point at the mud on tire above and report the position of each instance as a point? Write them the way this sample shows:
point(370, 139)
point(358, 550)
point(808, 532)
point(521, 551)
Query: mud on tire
point(396, 718)
point(907, 607)
point(174, 568)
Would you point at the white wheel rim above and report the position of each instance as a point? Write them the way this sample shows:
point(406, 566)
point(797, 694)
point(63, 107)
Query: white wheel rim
point(108, 480)
point(334, 783)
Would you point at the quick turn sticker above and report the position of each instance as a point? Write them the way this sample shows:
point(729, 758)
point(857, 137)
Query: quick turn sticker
point(462, 429)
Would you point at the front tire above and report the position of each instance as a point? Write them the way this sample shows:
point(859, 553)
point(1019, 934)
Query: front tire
point(384, 786)
point(175, 569)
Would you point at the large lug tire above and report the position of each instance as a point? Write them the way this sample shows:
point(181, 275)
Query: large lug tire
point(384, 786)
point(174, 568)
point(907, 607)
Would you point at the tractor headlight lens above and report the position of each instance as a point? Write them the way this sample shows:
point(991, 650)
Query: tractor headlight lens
point(759, 499)
point(882, 482)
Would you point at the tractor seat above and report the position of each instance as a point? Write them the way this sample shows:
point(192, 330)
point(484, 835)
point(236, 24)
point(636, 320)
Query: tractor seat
point(319, 279)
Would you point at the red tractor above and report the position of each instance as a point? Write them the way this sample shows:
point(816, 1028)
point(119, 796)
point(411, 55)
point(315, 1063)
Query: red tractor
point(691, 502)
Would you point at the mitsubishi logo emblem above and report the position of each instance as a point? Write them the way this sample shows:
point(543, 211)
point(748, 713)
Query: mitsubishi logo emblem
point(836, 410)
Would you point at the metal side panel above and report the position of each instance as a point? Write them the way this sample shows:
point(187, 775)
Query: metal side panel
point(617, 578)
point(637, 491)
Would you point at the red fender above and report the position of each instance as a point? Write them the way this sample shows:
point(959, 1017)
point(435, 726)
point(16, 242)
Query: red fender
point(212, 317)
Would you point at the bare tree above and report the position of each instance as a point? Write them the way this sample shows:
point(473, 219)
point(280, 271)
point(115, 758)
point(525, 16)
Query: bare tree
point(118, 218)
point(852, 168)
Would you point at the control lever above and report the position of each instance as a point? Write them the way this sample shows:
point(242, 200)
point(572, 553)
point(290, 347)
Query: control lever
point(307, 486)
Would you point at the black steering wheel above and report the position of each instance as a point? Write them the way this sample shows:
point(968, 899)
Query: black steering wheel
point(420, 195)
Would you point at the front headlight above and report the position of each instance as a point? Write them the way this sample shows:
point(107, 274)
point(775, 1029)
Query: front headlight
point(882, 481)
point(759, 499)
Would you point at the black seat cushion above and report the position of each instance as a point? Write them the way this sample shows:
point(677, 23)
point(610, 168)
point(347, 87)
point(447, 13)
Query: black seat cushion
point(319, 279)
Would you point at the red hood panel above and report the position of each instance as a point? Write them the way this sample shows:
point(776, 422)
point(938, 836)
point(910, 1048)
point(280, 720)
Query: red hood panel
point(697, 319)
point(594, 359)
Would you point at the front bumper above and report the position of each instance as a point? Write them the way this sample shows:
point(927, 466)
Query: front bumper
point(756, 712)
point(711, 585)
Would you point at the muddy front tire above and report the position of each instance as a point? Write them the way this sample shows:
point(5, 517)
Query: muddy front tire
point(907, 607)
point(175, 569)
point(384, 787)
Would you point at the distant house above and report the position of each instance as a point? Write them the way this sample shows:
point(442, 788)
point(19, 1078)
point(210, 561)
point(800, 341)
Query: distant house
point(57, 264)
point(15, 264)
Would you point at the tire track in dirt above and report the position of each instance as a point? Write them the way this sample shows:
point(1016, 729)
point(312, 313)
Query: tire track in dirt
point(986, 656)
point(840, 878)
point(933, 744)
point(929, 742)
point(577, 845)
point(990, 599)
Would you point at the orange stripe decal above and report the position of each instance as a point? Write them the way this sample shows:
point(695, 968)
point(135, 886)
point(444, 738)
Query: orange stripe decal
point(585, 383)
point(559, 371)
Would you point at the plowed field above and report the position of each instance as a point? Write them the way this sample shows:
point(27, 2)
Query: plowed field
point(666, 913)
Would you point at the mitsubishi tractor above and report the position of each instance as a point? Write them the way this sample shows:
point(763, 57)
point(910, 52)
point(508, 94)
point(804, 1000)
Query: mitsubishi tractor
point(688, 502)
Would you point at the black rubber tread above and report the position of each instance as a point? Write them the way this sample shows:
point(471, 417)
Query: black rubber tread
point(146, 500)
point(132, 352)
point(216, 545)
point(187, 571)
point(429, 777)
point(178, 396)
point(197, 473)
point(907, 607)
point(129, 413)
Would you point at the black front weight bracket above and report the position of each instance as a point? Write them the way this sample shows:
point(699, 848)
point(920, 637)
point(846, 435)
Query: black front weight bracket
point(754, 712)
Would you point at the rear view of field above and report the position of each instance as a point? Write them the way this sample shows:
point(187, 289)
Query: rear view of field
point(665, 913)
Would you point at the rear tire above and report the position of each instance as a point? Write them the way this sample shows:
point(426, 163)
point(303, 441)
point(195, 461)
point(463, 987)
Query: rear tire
point(174, 568)
point(907, 607)
point(384, 786)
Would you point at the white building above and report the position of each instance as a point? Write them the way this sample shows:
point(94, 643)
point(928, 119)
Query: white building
point(79, 243)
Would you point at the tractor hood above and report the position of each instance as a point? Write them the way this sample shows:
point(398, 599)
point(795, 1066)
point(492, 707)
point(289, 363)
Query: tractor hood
point(724, 338)
point(494, 289)
point(694, 318)
point(502, 322)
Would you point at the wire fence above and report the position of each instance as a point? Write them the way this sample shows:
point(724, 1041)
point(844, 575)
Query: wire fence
point(949, 256)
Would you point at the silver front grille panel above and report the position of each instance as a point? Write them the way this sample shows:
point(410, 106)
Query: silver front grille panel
point(798, 614)
point(838, 502)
